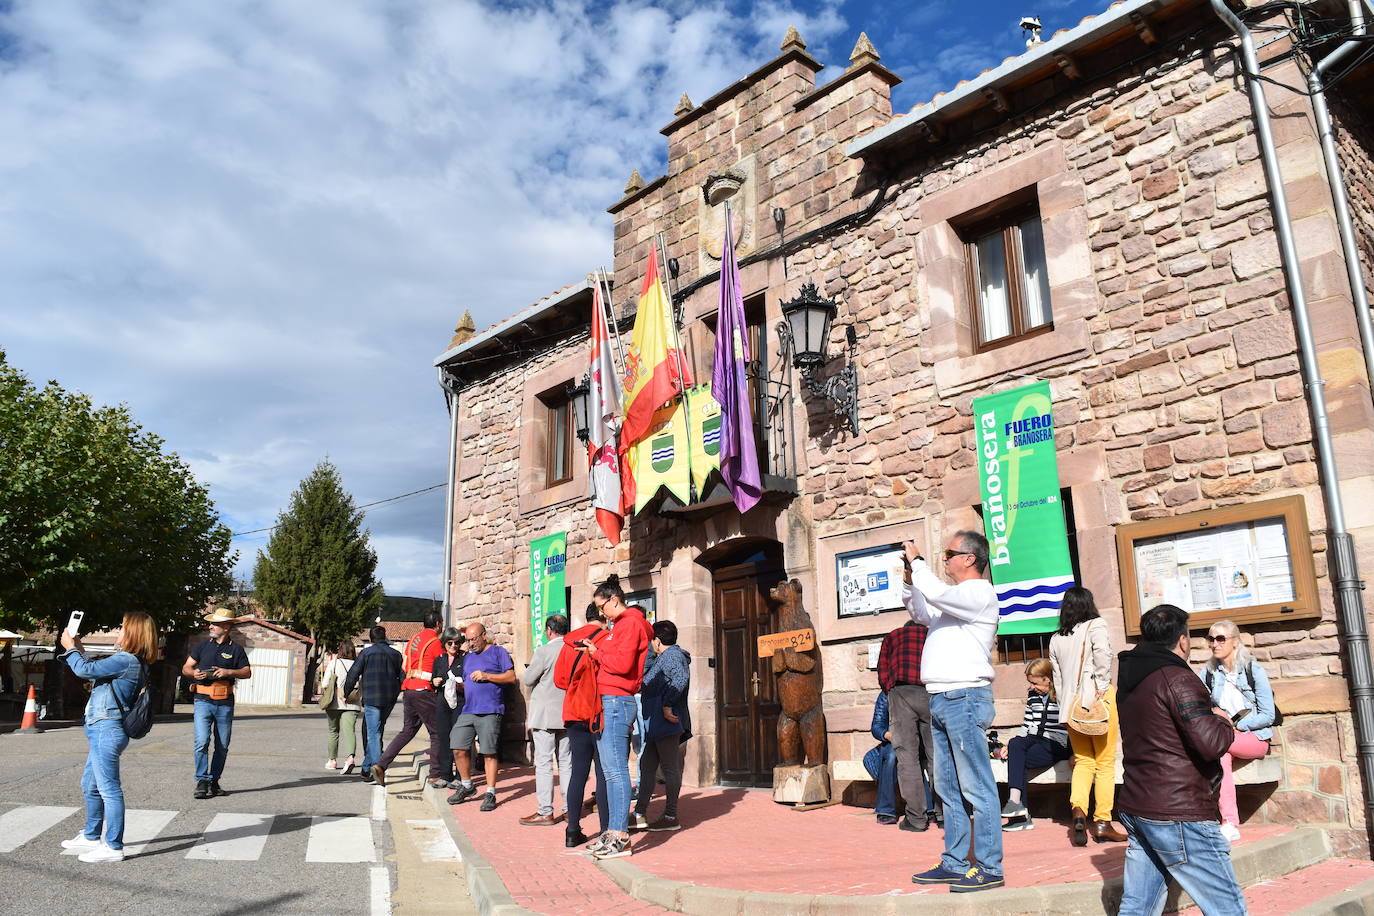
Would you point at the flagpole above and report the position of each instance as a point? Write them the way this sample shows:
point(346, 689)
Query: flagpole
point(677, 335)
point(603, 281)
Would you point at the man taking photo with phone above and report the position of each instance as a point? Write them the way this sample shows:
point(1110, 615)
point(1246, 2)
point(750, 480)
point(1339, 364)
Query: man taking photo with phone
point(213, 667)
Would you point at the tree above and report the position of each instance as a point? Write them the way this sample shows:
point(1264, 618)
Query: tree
point(318, 569)
point(95, 516)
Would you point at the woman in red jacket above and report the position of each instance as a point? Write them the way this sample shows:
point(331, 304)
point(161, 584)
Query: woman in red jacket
point(620, 671)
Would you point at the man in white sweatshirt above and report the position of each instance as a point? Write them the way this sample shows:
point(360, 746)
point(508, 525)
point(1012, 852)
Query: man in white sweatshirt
point(957, 668)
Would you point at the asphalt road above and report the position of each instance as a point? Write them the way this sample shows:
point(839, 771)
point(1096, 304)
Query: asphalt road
point(290, 837)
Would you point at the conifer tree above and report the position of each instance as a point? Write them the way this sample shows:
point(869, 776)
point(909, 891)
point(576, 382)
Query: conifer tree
point(318, 569)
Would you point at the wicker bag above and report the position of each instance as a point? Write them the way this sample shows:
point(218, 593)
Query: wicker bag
point(1087, 718)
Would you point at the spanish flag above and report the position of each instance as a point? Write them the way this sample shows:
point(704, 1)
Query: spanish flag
point(655, 370)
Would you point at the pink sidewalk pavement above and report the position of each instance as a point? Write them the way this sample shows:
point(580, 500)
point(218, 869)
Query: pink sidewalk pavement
point(740, 840)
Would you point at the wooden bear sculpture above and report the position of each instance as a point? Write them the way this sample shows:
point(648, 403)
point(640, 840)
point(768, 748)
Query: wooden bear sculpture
point(801, 724)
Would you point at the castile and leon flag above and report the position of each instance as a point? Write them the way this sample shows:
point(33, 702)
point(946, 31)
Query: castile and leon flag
point(603, 412)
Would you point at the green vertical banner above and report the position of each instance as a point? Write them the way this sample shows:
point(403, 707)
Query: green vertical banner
point(548, 556)
point(1028, 542)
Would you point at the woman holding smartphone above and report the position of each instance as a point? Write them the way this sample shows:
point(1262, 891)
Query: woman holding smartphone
point(117, 678)
point(1241, 694)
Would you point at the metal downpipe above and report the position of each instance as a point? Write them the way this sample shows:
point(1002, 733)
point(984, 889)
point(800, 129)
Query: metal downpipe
point(1316, 84)
point(1341, 563)
point(451, 399)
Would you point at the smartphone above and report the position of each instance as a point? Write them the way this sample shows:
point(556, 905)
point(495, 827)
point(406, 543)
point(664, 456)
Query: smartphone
point(74, 623)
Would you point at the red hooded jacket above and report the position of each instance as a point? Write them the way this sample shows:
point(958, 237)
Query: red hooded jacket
point(620, 658)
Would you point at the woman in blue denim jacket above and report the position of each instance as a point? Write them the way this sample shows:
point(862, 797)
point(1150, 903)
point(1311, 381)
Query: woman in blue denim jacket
point(117, 679)
point(1240, 692)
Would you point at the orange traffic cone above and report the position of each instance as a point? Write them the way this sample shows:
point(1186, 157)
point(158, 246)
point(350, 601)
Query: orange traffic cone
point(30, 724)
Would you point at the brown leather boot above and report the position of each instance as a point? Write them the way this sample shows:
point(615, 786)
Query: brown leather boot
point(1106, 832)
point(1079, 836)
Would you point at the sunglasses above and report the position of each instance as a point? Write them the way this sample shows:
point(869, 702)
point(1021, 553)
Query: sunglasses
point(951, 554)
point(1217, 638)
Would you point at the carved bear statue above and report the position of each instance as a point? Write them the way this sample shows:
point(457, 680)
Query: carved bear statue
point(801, 724)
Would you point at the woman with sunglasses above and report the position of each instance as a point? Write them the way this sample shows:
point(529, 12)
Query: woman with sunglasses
point(1081, 653)
point(447, 678)
point(1241, 694)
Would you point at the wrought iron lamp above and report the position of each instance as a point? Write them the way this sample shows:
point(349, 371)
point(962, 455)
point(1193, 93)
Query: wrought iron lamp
point(579, 396)
point(805, 330)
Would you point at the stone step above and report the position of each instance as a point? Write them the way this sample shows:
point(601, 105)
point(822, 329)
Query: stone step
point(1335, 886)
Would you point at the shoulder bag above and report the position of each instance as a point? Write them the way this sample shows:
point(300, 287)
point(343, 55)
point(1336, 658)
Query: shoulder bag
point(1087, 718)
point(138, 718)
point(331, 686)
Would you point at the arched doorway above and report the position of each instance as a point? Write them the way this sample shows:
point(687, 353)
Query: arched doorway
point(742, 574)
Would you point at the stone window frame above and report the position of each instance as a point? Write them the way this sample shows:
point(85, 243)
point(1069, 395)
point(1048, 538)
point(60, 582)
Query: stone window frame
point(535, 492)
point(830, 626)
point(950, 343)
point(1001, 217)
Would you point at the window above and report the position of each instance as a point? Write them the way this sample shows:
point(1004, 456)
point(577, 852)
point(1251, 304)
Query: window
point(1008, 285)
point(558, 439)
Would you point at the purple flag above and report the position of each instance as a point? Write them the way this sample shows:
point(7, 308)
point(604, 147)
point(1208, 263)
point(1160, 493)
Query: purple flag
point(739, 453)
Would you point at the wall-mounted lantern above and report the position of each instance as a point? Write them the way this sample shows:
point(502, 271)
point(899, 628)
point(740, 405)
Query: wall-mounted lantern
point(806, 332)
point(578, 396)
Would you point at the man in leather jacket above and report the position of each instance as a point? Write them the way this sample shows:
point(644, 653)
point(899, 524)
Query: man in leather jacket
point(1173, 743)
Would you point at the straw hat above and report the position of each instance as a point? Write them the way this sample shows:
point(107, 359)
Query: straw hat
point(218, 616)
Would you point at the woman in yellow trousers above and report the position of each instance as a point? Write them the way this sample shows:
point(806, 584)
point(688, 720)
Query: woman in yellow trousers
point(1081, 653)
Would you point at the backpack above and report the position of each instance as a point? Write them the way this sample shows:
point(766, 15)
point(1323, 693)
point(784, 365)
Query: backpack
point(1249, 679)
point(582, 701)
point(138, 718)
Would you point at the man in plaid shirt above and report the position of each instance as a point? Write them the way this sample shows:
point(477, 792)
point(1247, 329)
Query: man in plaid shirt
point(899, 674)
point(379, 668)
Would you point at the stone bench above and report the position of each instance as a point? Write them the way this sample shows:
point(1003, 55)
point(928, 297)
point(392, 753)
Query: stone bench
point(1247, 772)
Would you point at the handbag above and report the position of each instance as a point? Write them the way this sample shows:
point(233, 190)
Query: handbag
point(330, 687)
point(1087, 718)
point(138, 718)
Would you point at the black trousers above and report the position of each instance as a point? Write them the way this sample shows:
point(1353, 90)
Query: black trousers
point(417, 707)
point(584, 757)
point(443, 723)
point(1031, 752)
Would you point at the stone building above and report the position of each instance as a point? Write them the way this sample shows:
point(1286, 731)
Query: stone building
point(1116, 166)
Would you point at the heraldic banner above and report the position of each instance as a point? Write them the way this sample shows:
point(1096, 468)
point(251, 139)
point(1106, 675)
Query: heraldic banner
point(1028, 541)
point(681, 449)
point(548, 596)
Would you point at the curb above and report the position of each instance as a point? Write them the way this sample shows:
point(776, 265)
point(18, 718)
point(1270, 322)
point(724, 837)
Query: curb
point(1254, 863)
point(1358, 901)
point(488, 892)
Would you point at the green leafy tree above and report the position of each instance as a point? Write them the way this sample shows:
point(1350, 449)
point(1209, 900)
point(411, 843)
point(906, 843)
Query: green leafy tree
point(318, 569)
point(95, 516)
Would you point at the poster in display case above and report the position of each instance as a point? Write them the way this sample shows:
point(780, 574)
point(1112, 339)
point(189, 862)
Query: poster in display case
point(1250, 563)
point(869, 581)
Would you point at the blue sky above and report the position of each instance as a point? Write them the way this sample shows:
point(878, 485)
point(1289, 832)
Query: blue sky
point(257, 222)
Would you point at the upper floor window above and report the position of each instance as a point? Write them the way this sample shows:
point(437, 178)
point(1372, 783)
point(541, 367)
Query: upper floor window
point(1007, 278)
point(558, 438)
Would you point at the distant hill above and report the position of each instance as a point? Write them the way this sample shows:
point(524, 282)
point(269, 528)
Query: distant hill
point(400, 607)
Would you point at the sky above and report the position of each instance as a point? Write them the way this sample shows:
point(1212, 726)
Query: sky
point(257, 223)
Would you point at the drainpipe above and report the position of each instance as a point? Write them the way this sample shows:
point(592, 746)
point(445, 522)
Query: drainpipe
point(1316, 84)
point(1341, 563)
point(450, 387)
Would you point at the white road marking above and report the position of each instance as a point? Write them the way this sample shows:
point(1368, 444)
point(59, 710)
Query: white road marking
point(433, 841)
point(381, 891)
point(19, 826)
point(234, 838)
point(141, 827)
point(340, 839)
point(378, 803)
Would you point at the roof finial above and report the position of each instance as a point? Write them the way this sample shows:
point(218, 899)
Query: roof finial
point(464, 330)
point(863, 53)
point(684, 105)
point(635, 183)
point(792, 41)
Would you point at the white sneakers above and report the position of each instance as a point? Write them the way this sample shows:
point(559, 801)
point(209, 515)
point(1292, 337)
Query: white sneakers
point(80, 842)
point(102, 853)
point(1231, 832)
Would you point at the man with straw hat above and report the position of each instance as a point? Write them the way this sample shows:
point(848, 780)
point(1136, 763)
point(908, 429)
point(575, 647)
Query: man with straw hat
point(212, 668)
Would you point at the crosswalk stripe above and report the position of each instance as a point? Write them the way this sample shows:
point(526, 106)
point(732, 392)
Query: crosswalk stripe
point(381, 891)
point(340, 839)
point(378, 803)
point(20, 825)
point(234, 838)
point(141, 827)
point(434, 841)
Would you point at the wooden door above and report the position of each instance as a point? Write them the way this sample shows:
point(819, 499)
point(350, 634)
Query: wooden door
point(746, 696)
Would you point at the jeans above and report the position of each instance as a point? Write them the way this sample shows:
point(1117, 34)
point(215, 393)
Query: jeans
point(374, 717)
point(219, 719)
point(618, 717)
point(1031, 752)
point(548, 743)
point(886, 804)
point(100, 782)
point(584, 756)
point(417, 707)
point(1094, 765)
point(1193, 853)
point(913, 743)
point(343, 721)
point(963, 778)
point(664, 754)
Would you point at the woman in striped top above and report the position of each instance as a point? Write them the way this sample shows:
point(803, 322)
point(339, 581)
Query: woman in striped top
point(1043, 742)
